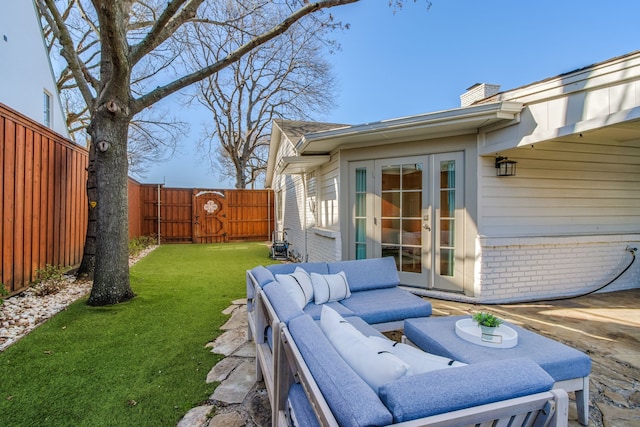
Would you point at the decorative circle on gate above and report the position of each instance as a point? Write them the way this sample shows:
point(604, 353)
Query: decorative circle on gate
point(211, 206)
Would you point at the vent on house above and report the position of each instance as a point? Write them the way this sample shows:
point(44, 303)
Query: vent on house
point(477, 92)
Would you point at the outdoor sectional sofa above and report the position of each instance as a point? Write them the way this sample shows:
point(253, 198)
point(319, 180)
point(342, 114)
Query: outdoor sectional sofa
point(310, 382)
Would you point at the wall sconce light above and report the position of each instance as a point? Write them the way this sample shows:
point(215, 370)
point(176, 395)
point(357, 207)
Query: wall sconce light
point(505, 167)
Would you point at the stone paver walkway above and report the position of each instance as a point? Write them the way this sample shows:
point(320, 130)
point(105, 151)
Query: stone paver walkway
point(239, 400)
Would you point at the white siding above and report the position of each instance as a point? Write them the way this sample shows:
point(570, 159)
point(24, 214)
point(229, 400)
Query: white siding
point(291, 189)
point(561, 225)
point(564, 188)
point(521, 269)
point(24, 78)
point(311, 222)
point(330, 203)
point(294, 215)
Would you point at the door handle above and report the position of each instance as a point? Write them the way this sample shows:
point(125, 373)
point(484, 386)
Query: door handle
point(427, 227)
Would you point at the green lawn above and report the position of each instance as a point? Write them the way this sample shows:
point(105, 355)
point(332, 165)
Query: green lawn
point(140, 363)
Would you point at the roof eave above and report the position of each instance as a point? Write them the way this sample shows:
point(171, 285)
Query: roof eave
point(426, 124)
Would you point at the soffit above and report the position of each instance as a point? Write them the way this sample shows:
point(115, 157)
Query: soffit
point(425, 126)
point(301, 164)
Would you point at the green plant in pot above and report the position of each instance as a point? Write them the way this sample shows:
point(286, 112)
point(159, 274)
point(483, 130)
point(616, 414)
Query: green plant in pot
point(487, 322)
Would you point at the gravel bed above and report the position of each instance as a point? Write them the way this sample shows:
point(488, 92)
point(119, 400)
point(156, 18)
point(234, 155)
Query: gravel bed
point(22, 313)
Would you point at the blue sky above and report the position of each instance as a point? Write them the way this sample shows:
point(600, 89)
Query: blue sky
point(418, 60)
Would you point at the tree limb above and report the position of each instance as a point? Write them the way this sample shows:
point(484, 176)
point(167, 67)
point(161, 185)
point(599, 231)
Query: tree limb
point(163, 91)
point(50, 12)
point(165, 26)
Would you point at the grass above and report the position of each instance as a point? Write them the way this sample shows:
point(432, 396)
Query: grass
point(140, 363)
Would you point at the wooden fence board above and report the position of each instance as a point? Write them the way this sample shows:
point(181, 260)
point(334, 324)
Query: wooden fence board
point(28, 205)
point(242, 214)
point(2, 139)
point(35, 209)
point(19, 201)
point(43, 204)
point(44, 207)
point(8, 214)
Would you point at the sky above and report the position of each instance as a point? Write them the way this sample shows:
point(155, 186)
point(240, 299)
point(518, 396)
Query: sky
point(419, 60)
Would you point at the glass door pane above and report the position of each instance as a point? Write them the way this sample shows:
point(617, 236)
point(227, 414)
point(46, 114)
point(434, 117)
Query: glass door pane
point(447, 217)
point(401, 215)
point(361, 214)
point(449, 222)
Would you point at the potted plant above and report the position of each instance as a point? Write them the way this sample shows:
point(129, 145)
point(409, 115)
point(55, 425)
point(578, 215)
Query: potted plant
point(487, 322)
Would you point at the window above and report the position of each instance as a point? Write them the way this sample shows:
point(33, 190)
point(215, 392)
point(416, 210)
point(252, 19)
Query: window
point(447, 217)
point(46, 109)
point(361, 213)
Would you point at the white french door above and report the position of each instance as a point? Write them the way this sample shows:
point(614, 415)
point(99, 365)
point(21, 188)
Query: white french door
point(411, 208)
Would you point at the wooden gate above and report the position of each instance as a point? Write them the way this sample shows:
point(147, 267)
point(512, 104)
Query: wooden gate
point(209, 217)
point(184, 215)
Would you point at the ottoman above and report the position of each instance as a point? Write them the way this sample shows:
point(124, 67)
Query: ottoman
point(569, 367)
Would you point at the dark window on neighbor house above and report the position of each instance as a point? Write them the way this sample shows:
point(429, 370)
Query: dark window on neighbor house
point(47, 109)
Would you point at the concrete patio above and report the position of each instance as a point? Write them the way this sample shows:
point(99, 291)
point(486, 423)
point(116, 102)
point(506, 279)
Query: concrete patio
point(605, 326)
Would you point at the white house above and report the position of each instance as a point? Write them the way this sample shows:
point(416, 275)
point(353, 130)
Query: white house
point(27, 83)
point(425, 189)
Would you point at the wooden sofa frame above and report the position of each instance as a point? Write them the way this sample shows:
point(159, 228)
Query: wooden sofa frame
point(282, 365)
point(535, 410)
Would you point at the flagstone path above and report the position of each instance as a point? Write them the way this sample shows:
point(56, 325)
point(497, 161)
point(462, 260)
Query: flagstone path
point(239, 400)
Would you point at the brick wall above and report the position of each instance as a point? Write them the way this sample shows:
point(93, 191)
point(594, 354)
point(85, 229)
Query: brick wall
point(513, 269)
point(324, 245)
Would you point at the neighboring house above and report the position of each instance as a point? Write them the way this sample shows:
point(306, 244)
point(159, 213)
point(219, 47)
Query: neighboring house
point(424, 189)
point(27, 83)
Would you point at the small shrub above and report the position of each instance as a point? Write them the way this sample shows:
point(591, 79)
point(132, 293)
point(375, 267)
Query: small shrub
point(139, 244)
point(3, 293)
point(49, 280)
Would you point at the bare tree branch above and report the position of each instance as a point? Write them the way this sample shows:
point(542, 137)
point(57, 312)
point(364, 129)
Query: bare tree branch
point(48, 9)
point(165, 26)
point(180, 83)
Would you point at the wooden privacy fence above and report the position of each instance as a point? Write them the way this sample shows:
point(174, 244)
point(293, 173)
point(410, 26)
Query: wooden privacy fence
point(185, 215)
point(43, 201)
point(44, 207)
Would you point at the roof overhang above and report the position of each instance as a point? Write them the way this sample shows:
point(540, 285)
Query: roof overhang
point(626, 120)
point(314, 149)
point(620, 126)
point(301, 164)
point(424, 126)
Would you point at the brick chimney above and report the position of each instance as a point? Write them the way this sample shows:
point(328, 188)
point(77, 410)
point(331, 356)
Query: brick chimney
point(477, 92)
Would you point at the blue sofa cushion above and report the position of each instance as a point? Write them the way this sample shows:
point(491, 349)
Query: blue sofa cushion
point(309, 267)
point(463, 387)
point(365, 274)
point(283, 303)
point(262, 275)
point(351, 400)
point(366, 329)
point(387, 305)
point(302, 411)
point(437, 335)
point(313, 309)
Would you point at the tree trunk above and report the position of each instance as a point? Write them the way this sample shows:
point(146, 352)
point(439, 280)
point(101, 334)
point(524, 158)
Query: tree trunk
point(111, 276)
point(89, 256)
